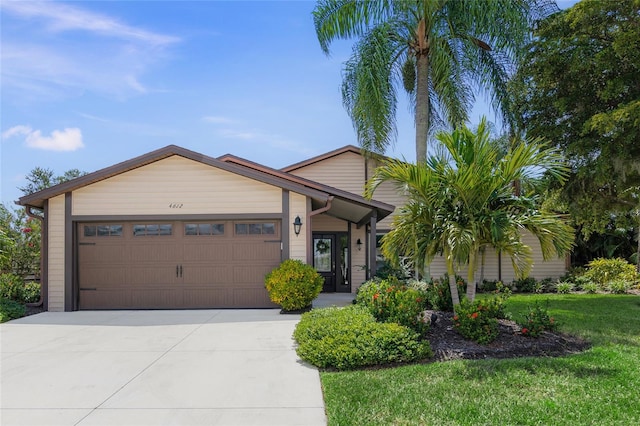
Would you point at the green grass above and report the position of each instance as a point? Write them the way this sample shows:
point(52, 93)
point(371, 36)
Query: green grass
point(598, 387)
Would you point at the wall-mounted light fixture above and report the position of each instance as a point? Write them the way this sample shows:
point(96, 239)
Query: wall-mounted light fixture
point(359, 244)
point(297, 224)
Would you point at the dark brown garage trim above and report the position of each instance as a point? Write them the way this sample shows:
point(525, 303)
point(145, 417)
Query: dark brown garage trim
point(69, 296)
point(284, 227)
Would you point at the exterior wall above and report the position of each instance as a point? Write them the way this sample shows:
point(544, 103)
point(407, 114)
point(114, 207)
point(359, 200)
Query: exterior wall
point(325, 223)
point(297, 243)
point(56, 260)
point(554, 268)
point(344, 171)
point(387, 193)
point(358, 261)
point(190, 187)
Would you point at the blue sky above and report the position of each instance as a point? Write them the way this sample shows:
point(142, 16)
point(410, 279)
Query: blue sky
point(89, 84)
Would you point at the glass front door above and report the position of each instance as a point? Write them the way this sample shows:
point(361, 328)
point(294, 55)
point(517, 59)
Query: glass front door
point(331, 260)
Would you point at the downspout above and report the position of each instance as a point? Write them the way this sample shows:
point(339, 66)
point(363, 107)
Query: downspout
point(41, 219)
point(309, 231)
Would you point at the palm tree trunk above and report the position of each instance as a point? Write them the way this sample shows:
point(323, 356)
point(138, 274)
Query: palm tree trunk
point(422, 106)
point(453, 286)
point(471, 282)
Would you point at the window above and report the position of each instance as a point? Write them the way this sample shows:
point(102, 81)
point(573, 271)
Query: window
point(102, 230)
point(255, 228)
point(204, 229)
point(152, 229)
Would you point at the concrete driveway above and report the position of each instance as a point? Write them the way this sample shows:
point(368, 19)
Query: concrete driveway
point(192, 367)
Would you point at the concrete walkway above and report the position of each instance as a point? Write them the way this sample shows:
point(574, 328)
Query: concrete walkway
point(192, 367)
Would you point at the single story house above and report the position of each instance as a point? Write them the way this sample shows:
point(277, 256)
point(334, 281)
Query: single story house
point(175, 229)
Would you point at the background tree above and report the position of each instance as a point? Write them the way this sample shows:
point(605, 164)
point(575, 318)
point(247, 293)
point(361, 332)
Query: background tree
point(578, 87)
point(42, 178)
point(438, 51)
point(462, 200)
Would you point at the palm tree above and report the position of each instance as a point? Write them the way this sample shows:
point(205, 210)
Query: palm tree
point(441, 51)
point(462, 201)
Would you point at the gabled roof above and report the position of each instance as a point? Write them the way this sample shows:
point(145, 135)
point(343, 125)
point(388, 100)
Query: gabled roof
point(341, 197)
point(345, 149)
point(344, 204)
point(37, 199)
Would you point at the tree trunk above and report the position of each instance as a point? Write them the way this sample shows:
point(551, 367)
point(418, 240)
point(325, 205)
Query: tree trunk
point(453, 286)
point(422, 106)
point(483, 252)
point(471, 282)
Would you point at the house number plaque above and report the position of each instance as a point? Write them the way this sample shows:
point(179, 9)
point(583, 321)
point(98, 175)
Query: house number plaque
point(175, 205)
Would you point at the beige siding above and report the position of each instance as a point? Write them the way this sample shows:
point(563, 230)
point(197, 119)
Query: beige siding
point(56, 253)
point(358, 270)
point(387, 193)
point(297, 243)
point(344, 171)
point(325, 223)
point(177, 185)
point(553, 268)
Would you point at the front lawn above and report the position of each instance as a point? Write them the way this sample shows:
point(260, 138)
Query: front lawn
point(600, 386)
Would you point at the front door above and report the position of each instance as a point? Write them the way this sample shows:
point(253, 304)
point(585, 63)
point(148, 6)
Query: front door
point(324, 259)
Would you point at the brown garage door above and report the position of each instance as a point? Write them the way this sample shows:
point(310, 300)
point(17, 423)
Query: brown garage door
point(176, 265)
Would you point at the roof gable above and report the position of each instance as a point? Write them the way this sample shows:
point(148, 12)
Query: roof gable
point(37, 199)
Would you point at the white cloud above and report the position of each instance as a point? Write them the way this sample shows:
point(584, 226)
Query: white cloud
point(16, 131)
point(62, 17)
point(71, 50)
point(69, 139)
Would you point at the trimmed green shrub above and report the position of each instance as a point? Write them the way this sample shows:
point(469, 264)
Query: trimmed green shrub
point(537, 320)
point(293, 285)
point(618, 286)
point(476, 321)
point(348, 338)
point(525, 285)
point(488, 286)
point(13, 287)
point(564, 287)
point(602, 271)
point(10, 309)
point(439, 293)
point(389, 301)
point(589, 287)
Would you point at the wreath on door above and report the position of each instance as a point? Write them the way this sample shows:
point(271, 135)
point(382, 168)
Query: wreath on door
point(322, 247)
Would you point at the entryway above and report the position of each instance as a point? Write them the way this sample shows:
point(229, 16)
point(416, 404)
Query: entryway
point(331, 258)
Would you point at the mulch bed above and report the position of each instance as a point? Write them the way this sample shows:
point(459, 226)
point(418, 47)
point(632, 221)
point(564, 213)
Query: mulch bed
point(447, 344)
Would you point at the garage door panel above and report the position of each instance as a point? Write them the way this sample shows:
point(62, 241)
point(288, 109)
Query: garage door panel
point(217, 251)
point(158, 298)
point(103, 277)
point(251, 298)
point(161, 250)
point(207, 275)
point(208, 297)
point(257, 250)
point(115, 298)
point(142, 270)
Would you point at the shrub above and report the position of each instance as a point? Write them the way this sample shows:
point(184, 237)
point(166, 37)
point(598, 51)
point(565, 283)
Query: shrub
point(389, 301)
point(387, 270)
point(618, 286)
point(537, 320)
point(439, 294)
point(477, 321)
point(10, 309)
point(589, 287)
point(293, 285)
point(14, 288)
point(525, 285)
point(564, 287)
point(348, 338)
point(602, 271)
point(488, 286)
point(582, 281)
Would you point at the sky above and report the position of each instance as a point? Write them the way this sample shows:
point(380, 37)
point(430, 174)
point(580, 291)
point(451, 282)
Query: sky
point(88, 84)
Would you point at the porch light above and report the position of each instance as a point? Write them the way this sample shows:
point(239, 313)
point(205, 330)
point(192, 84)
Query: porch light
point(359, 244)
point(297, 224)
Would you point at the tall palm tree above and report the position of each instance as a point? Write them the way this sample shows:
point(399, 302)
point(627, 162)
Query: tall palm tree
point(461, 201)
point(440, 51)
